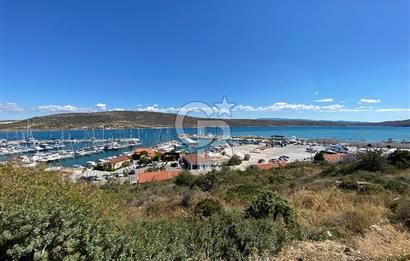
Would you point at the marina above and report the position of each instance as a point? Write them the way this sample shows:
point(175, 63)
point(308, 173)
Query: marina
point(76, 147)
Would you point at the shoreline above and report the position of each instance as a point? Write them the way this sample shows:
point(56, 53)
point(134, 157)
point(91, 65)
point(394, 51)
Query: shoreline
point(190, 127)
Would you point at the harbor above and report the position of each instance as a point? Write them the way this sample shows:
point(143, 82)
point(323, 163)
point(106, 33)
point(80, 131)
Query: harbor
point(68, 148)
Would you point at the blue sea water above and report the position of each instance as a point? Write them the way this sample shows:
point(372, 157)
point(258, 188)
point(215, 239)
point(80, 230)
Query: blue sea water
point(347, 133)
point(151, 136)
point(154, 136)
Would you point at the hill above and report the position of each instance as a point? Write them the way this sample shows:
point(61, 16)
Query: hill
point(145, 119)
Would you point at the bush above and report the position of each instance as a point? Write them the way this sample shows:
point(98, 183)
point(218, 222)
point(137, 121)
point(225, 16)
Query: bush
point(185, 178)
point(208, 207)
point(277, 178)
point(51, 230)
point(206, 182)
point(350, 184)
point(126, 164)
point(400, 159)
point(154, 169)
point(269, 204)
point(319, 157)
point(234, 161)
point(229, 236)
point(157, 157)
point(372, 160)
point(372, 188)
point(340, 168)
point(44, 217)
point(400, 184)
point(244, 192)
point(401, 212)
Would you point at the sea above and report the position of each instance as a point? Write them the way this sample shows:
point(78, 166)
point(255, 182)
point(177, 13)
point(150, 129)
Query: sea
point(153, 136)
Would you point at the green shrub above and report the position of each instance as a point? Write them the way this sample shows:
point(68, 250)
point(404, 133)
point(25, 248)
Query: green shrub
point(126, 164)
point(206, 182)
point(328, 169)
point(319, 156)
point(185, 178)
point(349, 184)
point(372, 160)
point(243, 192)
point(154, 169)
point(44, 217)
point(157, 157)
point(269, 204)
point(234, 161)
point(277, 178)
point(401, 212)
point(339, 168)
point(371, 188)
point(208, 207)
point(229, 236)
point(399, 184)
point(52, 230)
point(400, 159)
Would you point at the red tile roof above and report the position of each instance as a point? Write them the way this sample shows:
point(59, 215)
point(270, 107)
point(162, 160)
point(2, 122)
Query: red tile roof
point(150, 151)
point(266, 166)
point(333, 157)
point(200, 159)
point(157, 176)
point(119, 159)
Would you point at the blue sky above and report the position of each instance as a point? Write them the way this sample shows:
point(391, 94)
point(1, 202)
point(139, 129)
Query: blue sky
point(334, 60)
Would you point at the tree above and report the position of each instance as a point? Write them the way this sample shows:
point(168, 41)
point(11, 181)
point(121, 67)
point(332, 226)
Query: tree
point(234, 161)
point(157, 157)
point(144, 160)
point(247, 157)
point(143, 153)
point(319, 156)
point(372, 160)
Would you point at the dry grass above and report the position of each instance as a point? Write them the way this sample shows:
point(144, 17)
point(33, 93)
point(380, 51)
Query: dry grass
point(380, 243)
point(319, 251)
point(342, 214)
point(384, 243)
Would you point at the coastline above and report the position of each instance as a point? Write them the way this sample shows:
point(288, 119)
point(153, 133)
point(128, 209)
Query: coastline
point(193, 126)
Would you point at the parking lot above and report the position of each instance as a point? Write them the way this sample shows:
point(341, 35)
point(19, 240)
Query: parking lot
point(128, 174)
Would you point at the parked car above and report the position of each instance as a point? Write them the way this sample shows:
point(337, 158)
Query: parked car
point(174, 164)
point(285, 158)
point(119, 175)
point(98, 178)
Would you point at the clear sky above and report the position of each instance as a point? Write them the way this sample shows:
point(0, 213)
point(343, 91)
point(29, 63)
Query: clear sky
point(314, 59)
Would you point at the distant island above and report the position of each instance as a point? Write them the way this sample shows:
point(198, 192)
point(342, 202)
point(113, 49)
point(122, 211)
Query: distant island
point(145, 119)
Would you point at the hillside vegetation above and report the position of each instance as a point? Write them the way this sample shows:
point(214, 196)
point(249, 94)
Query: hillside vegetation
point(145, 119)
point(322, 211)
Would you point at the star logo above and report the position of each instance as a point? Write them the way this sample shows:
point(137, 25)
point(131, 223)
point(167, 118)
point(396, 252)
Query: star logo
point(225, 107)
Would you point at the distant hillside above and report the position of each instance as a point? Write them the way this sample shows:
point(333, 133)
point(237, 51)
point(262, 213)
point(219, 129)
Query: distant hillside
point(403, 123)
point(144, 119)
point(111, 119)
point(7, 121)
